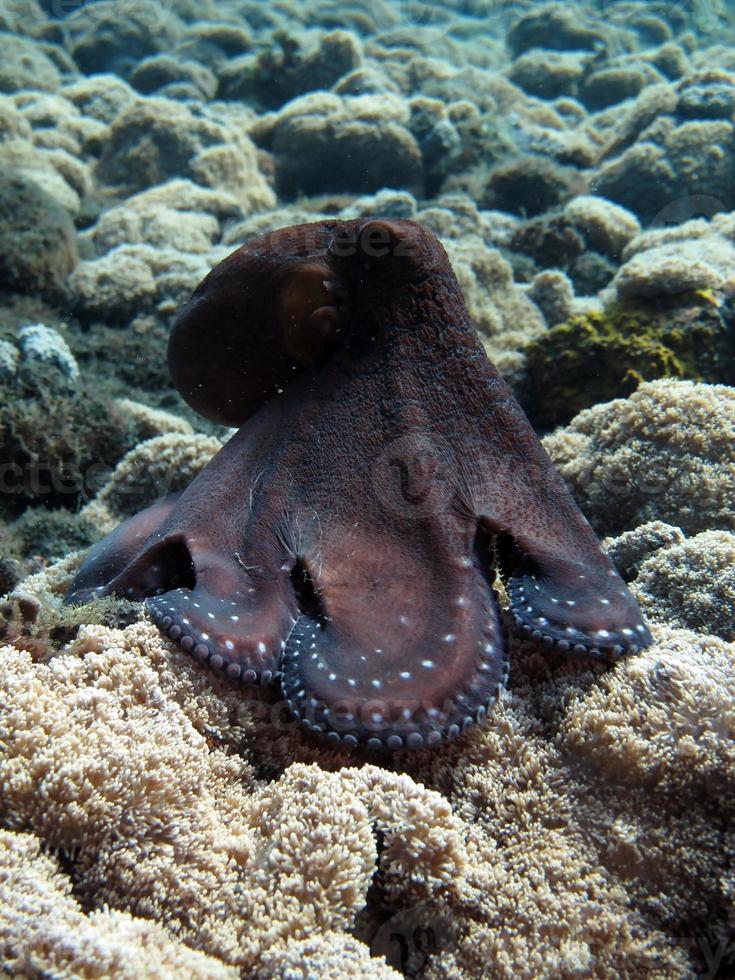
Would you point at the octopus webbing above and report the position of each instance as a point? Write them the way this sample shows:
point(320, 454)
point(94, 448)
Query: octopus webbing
point(350, 543)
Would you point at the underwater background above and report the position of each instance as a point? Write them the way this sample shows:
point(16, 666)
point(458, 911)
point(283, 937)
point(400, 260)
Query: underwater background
point(577, 162)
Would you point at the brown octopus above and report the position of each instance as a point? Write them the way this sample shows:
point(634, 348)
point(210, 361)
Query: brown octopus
point(344, 543)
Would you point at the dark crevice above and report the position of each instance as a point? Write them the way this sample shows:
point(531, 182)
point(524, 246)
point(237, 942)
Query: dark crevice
point(510, 560)
point(497, 552)
point(177, 566)
point(162, 569)
point(307, 597)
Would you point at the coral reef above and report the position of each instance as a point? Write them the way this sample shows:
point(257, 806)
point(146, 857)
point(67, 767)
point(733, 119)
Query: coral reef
point(570, 830)
point(576, 162)
point(691, 584)
point(665, 453)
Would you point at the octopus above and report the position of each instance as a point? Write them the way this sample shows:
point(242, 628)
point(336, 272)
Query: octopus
point(384, 517)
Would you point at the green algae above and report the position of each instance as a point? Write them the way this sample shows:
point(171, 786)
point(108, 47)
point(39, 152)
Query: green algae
point(58, 442)
point(598, 356)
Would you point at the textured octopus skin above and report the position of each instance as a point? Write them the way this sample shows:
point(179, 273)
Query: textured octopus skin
point(338, 545)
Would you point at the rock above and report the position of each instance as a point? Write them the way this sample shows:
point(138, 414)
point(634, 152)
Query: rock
point(37, 239)
point(553, 27)
point(9, 357)
point(606, 353)
point(213, 44)
point(276, 75)
point(656, 159)
point(152, 140)
point(605, 227)
point(530, 185)
point(162, 71)
point(114, 287)
point(178, 212)
point(608, 86)
point(23, 64)
point(707, 100)
point(324, 143)
point(103, 41)
point(102, 97)
point(547, 74)
point(43, 344)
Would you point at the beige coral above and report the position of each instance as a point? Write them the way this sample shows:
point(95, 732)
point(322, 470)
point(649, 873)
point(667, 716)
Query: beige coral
point(155, 468)
point(123, 755)
point(329, 954)
point(666, 453)
point(150, 422)
point(692, 584)
point(43, 929)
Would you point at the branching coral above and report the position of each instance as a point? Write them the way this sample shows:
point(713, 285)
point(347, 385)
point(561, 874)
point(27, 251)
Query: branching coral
point(122, 755)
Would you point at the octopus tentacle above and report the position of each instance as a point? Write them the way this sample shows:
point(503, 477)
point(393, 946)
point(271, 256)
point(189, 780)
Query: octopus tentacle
point(403, 651)
point(240, 635)
point(578, 609)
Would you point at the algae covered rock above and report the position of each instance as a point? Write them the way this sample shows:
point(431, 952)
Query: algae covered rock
point(152, 140)
point(102, 39)
point(675, 141)
point(530, 185)
point(163, 71)
point(553, 27)
point(323, 143)
point(601, 355)
point(37, 239)
point(23, 64)
point(58, 439)
point(285, 70)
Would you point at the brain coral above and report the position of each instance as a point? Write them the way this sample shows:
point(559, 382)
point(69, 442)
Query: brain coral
point(666, 453)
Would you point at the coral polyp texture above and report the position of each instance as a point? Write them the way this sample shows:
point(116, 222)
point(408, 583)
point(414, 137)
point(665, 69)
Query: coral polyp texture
point(357, 576)
point(350, 449)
